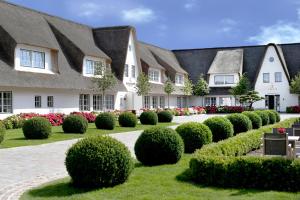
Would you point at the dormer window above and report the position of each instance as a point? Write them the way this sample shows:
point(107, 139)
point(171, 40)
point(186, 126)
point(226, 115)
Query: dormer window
point(93, 67)
point(154, 75)
point(34, 59)
point(126, 74)
point(224, 79)
point(179, 79)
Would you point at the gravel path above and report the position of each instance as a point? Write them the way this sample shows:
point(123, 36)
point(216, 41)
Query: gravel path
point(23, 168)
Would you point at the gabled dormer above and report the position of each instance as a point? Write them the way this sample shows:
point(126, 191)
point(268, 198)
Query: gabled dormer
point(226, 68)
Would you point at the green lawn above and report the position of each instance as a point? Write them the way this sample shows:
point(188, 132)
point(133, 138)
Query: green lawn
point(15, 138)
point(161, 182)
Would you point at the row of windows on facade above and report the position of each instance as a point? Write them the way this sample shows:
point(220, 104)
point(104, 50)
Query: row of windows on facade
point(84, 102)
point(223, 79)
point(277, 77)
point(159, 102)
point(223, 101)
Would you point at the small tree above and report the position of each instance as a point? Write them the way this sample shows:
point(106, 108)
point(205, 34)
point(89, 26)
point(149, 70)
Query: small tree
point(250, 98)
point(169, 88)
point(201, 88)
point(142, 85)
point(104, 80)
point(295, 85)
point(241, 88)
point(188, 87)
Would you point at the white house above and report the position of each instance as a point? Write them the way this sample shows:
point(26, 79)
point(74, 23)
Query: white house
point(47, 64)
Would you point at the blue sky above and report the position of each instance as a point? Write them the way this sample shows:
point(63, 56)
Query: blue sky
point(178, 24)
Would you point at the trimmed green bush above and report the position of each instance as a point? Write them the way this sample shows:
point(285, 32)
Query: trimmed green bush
point(105, 121)
point(37, 128)
point(241, 123)
point(220, 127)
point(194, 135)
point(159, 145)
point(255, 119)
point(97, 162)
point(165, 116)
point(127, 119)
point(277, 115)
point(149, 117)
point(272, 116)
point(2, 132)
point(264, 117)
point(221, 164)
point(75, 124)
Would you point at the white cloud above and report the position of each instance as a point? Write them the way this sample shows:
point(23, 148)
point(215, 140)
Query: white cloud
point(138, 15)
point(189, 4)
point(89, 9)
point(278, 33)
point(228, 25)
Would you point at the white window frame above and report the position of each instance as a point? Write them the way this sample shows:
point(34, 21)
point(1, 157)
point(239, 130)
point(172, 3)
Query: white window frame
point(50, 101)
point(223, 79)
point(126, 70)
point(210, 101)
point(31, 63)
point(154, 75)
point(37, 101)
point(266, 77)
point(162, 102)
point(278, 77)
point(154, 101)
point(132, 71)
point(110, 102)
point(179, 79)
point(97, 102)
point(91, 67)
point(146, 102)
point(6, 103)
point(84, 102)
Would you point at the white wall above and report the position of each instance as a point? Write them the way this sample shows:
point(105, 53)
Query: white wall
point(274, 88)
point(65, 101)
point(211, 82)
point(131, 61)
point(48, 64)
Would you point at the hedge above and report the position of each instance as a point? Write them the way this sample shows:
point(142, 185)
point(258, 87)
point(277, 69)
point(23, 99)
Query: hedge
point(37, 128)
point(220, 127)
point(222, 163)
point(127, 119)
point(148, 118)
point(106, 121)
point(264, 117)
point(2, 131)
point(241, 123)
point(255, 119)
point(75, 124)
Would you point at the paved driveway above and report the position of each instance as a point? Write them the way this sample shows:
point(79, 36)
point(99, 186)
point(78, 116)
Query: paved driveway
point(22, 168)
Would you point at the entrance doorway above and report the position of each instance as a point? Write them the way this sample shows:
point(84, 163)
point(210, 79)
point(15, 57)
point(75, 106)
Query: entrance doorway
point(272, 102)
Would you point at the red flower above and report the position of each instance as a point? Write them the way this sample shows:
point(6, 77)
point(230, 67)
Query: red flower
point(281, 130)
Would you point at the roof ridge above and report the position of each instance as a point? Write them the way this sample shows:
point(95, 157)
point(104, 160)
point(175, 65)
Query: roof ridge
point(155, 46)
point(113, 27)
point(44, 13)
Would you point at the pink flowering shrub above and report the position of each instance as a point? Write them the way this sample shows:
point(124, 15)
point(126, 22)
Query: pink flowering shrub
point(56, 119)
point(89, 116)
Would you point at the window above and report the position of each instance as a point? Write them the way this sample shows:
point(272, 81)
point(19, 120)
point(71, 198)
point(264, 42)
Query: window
point(147, 102)
point(37, 101)
point(129, 47)
point(5, 102)
point(154, 102)
point(32, 59)
point(210, 101)
point(278, 77)
point(224, 79)
point(50, 101)
point(178, 102)
point(184, 102)
point(162, 102)
point(133, 71)
point(271, 59)
point(126, 71)
point(109, 102)
point(153, 75)
point(225, 101)
point(84, 102)
point(94, 67)
point(266, 77)
point(97, 102)
point(179, 79)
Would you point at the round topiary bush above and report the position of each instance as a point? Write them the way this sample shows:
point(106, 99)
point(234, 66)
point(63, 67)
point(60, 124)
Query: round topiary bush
point(194, 135)
point(241, 123)
point(105, 121)
point(255, 119)
point(98, 162)
point(75, 124)
point(220, 127)
point(272, 116)
point(2, 132)
point(165, 116)
point(37, 128)
point(149, 117)
point(277, 115)
point(159, 145)
point(264, 117)
point(127, 119)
